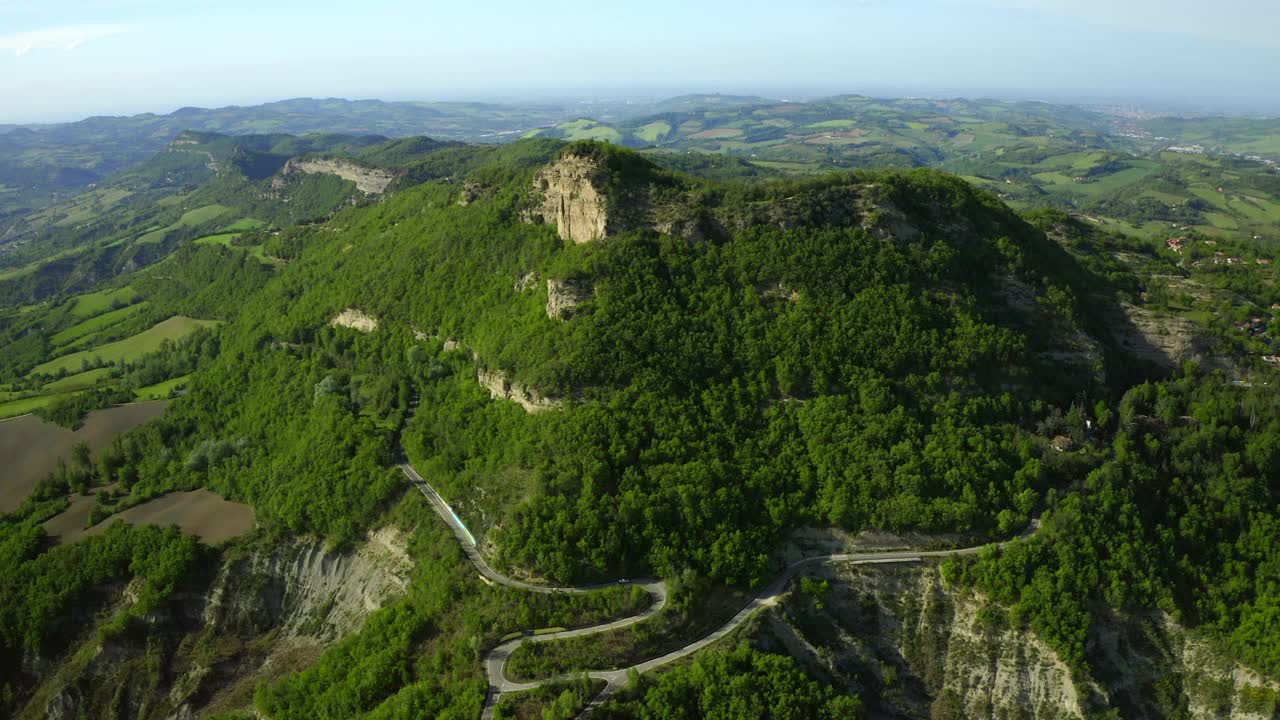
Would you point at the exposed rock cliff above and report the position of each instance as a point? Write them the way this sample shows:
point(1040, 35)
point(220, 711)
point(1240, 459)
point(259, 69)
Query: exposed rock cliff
point(588, 194)
point(369, 180)
point(1152, 668)
point(527, 281)
point(356, 320)
point(573, 199)
point(266, 611)
point(564, 296)
point(913, 648)
point(502, 389)
point(302, 589)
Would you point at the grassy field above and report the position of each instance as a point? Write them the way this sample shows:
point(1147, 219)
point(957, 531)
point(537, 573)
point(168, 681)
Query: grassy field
point(654, 131)
point(161, 391)
point(79, 381)
point(243, 225)
point(94, 324)
point(226, 240)
point(22, 406)
point(191, 218)
point(837, 124)
point(99, 302)
point(589, 130)
point(31, 267)
point(80, 208)
point(130, 348)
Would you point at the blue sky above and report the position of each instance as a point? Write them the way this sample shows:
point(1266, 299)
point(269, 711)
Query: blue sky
point(65, 59)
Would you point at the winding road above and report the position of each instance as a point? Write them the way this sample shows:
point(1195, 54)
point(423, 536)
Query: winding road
point(496, 661)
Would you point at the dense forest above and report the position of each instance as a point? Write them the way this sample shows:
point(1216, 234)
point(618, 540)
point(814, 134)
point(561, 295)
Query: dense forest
point(717, 393)
point(1181, 517)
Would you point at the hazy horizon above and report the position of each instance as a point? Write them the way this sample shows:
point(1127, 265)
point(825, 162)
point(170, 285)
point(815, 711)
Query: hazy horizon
point(69, 59)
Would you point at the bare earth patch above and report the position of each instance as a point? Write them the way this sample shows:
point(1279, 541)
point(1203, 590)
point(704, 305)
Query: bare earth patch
point(200, 513)
point(30, 447)
point(69, 525)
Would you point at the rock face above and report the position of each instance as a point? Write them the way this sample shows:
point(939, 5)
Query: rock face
point(356, 320)
point(368, 180)
point(1152, 656)
point(302, 589)
point(564, 296)
point(471, 191)
point(913, 648)
point(910, 649)
point(265, 610)
point(501, 389)
point(572, 198)
point(1163, 339)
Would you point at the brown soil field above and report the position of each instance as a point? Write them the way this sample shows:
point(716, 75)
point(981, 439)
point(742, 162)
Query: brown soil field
point(69, 525)
point(30, 447)
point(200, 513)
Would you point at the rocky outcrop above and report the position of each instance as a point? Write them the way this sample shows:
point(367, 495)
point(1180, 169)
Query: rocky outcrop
point(368, 180)
point(778, 290)
point(912, 647)
point(564, 296)
point(588, 199)
point(502, 389)
point(471, 192)
point(528, 281)
point(1164, 339)
point(304, 589)
point(1152, 657)
point(356, 320)
point(1073, 350)
point(573, 198)
point(268, 609)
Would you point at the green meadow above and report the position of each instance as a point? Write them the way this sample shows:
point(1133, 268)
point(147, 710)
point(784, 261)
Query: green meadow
point(94, 324)
point(96, 303)
point(130, 348)
point(162, 390)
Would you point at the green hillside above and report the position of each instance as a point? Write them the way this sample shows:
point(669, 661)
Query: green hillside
point(611, 368)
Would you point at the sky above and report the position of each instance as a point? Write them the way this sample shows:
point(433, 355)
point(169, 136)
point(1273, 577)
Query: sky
point(66, 59)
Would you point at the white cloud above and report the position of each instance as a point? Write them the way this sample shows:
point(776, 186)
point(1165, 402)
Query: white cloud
point(64, 38)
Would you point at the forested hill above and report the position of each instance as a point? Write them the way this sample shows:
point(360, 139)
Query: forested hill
point(714, 363)
point(611, 368)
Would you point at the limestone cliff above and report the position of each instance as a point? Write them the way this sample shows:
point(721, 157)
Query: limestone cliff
point(911, 649)
point(356, 320)
point(368, 180)
point(564, 296)
point(573, 198)
point(500, 388)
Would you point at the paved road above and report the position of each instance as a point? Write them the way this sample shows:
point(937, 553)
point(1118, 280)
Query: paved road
point(496, 661)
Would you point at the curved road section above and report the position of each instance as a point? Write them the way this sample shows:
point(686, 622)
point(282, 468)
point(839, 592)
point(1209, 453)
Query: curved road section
point(496, 661)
